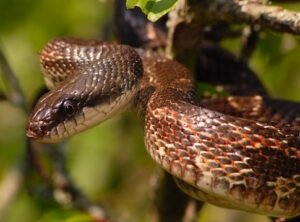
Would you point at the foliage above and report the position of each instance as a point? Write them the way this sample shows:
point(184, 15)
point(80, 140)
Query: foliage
point(154, 9)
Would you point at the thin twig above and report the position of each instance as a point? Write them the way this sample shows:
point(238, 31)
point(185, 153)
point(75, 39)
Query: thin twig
point(15, 94)
point(249, 40)
point(66, 192)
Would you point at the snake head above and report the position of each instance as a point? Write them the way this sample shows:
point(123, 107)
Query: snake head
point(98, 81)
point(57, 116)
point(54, 117)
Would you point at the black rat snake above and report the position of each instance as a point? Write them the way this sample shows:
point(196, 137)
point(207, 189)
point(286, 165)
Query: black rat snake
point(243, 155)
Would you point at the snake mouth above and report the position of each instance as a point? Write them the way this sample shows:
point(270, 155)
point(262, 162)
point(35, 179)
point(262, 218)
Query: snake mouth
point(31, 134)
point(37, 130)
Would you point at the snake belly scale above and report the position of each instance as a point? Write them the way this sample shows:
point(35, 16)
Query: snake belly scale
point(223, 159)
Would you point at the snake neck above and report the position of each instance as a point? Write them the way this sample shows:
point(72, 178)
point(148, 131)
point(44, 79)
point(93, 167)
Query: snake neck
point(164, 83)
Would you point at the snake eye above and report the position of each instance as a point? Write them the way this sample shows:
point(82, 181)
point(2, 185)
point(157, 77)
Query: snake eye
point(69, 107)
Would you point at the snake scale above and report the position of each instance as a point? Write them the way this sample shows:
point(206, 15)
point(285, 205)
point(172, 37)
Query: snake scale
point(234, 152)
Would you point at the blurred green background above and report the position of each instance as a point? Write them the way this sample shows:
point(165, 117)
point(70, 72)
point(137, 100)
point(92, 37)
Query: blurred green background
point(109, 162)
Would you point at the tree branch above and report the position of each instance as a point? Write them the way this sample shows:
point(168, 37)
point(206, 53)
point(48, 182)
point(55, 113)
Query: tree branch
point(250, 12)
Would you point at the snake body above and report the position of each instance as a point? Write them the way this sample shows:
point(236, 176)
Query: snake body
point(225, 159)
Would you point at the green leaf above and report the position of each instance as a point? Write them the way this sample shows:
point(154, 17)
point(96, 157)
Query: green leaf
point(154, 9)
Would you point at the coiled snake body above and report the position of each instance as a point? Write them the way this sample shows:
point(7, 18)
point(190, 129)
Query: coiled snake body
point(250, 164)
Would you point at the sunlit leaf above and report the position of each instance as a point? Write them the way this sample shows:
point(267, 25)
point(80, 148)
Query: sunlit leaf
point(154, 9)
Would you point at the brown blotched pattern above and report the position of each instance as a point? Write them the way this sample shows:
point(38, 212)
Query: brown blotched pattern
point(262, 109)
point(228, 161)
point(247, 157)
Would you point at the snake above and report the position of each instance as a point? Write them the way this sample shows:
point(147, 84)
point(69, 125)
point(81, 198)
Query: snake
point(234, 152)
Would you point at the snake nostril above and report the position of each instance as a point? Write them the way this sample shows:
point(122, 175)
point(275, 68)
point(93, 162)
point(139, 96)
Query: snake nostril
point(36, 130)
point(43, 128)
